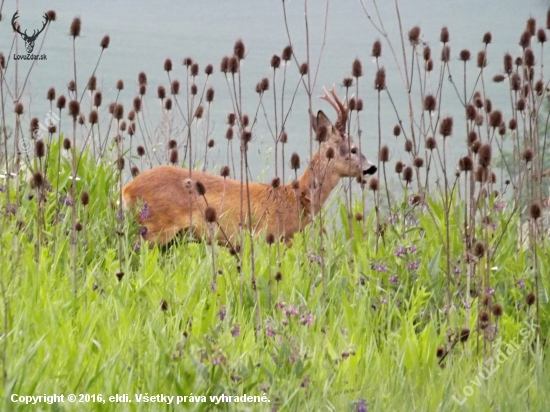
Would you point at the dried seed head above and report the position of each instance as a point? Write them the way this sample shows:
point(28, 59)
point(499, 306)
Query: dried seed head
point(104, 43)
point(52, 15)
point(529, 59)
point(270, 238)
point(440, 352)
point(78, 226)
point(142, 78)
point(495, 119)
point(488, 106)
point(502, 129)
point(120, 85)
point(508, 64)
point(188, 61)
point(137, 104)
point(172, 144)
point(51, 94)
point(408, 174)
point(464, 335)
point(92, 83)
point(484, 319)
point(539, 87)
point(396, 130)
point(418, 162)
point(225, 171)
point(535, 211)
point(359, 217)
point(82, 119)
point(431, 143)
point(357, 68)
point(120, 163)
point(131, 115)
point(512, 124)
point(484, 155)
point(245, 120)
point(194, 70)
point(118, 111)
point(199, 112)
point(408, 145)
point(446, 127)
point(481, 59)
point(430, 103)
point(141, 151)
point(39, 148)
point(475, 146)
point(359, 105)
point(275, 61)
point(295, 184)
point(295, 161)
point(194, 89)
point(497, 310)
point(525, 39)
point(287, 53)
point(210, 95)
point(444, 35)
point(278, 276)
point(530, 298)
point(399, 166)
point(373, 184)
point(487, 37)
point(429, 66)
point(384, 154)
point(74, 108)
point(209, 69)
point(284, 138)
point(174, 157)
point(175, 87)
point(168, 104)
point(37, 179)
point(304, 69)
point(380, 79)
point(229, 133)
point(446, 54)
point(531, 26)
point(239, 49)
point(351, 104)
point(211, 143)
point(520, 105)
point(427, 53)
point(142, 89)
point(210, 214)
point(348, 82)
point(472, 137)
point(471, 112)
point(479, 249)
point(201, 189)
point(466, 164)
point(75, 27)
point(85, 198)
point(161, 92)
point(527, 155)
point(66, 144)
point(376, 49)
point(275, 182)
point(541, 36)
point(499, 78)
point(329, 153)
point(18, 108)
point(168, 65)
point(224, 64)
point(135, 171)
point(414, 35)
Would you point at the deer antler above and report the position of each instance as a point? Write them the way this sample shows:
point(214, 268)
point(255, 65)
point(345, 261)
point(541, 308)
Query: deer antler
point(339, 106)
point(13, 23)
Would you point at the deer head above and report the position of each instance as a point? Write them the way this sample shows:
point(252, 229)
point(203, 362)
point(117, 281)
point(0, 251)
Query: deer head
point(29, 40)
point(347, 161)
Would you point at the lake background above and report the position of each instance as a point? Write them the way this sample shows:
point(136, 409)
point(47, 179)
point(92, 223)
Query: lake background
point(144, 33)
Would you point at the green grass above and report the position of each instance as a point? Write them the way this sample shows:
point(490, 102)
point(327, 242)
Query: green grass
point(161, 330)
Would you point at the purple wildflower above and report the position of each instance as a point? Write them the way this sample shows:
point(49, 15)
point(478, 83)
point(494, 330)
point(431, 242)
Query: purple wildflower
point(280, 305)
point(291, 311)
point(400, 252)
point(499, 206)
point(362, 405)
point(306, 319)
point(137, 247)
point(491, 291)
point(457, 271)
point(399, 303)
point(393, 218)
point(518, 306)
point(305, 382)
point(142, 231)
point(236, 330)
point(222, 313)
point(384, 301)
point(269, 332)
point(66, 201)
point(393, 278)
point(145, 211)
point(521, 284)
point(412, 265)
point(381, 268)
point(412, 248)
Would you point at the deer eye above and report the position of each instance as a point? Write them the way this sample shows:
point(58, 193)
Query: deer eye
point(354, 150)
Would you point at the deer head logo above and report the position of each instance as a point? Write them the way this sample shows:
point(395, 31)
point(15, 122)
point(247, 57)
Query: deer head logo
point(29, 40)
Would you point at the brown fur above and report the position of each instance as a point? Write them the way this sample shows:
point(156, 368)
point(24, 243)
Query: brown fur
point(174, 204)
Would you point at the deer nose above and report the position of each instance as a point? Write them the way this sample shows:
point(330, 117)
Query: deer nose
point(370, 171)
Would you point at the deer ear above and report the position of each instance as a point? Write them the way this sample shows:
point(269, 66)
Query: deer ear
point(323, 120)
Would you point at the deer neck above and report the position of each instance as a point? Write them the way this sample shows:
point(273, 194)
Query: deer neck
point(316, 184)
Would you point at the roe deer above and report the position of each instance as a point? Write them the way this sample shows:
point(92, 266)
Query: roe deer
point(173, 196)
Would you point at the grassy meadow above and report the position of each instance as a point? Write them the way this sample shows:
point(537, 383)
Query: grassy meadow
point(428, 295)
